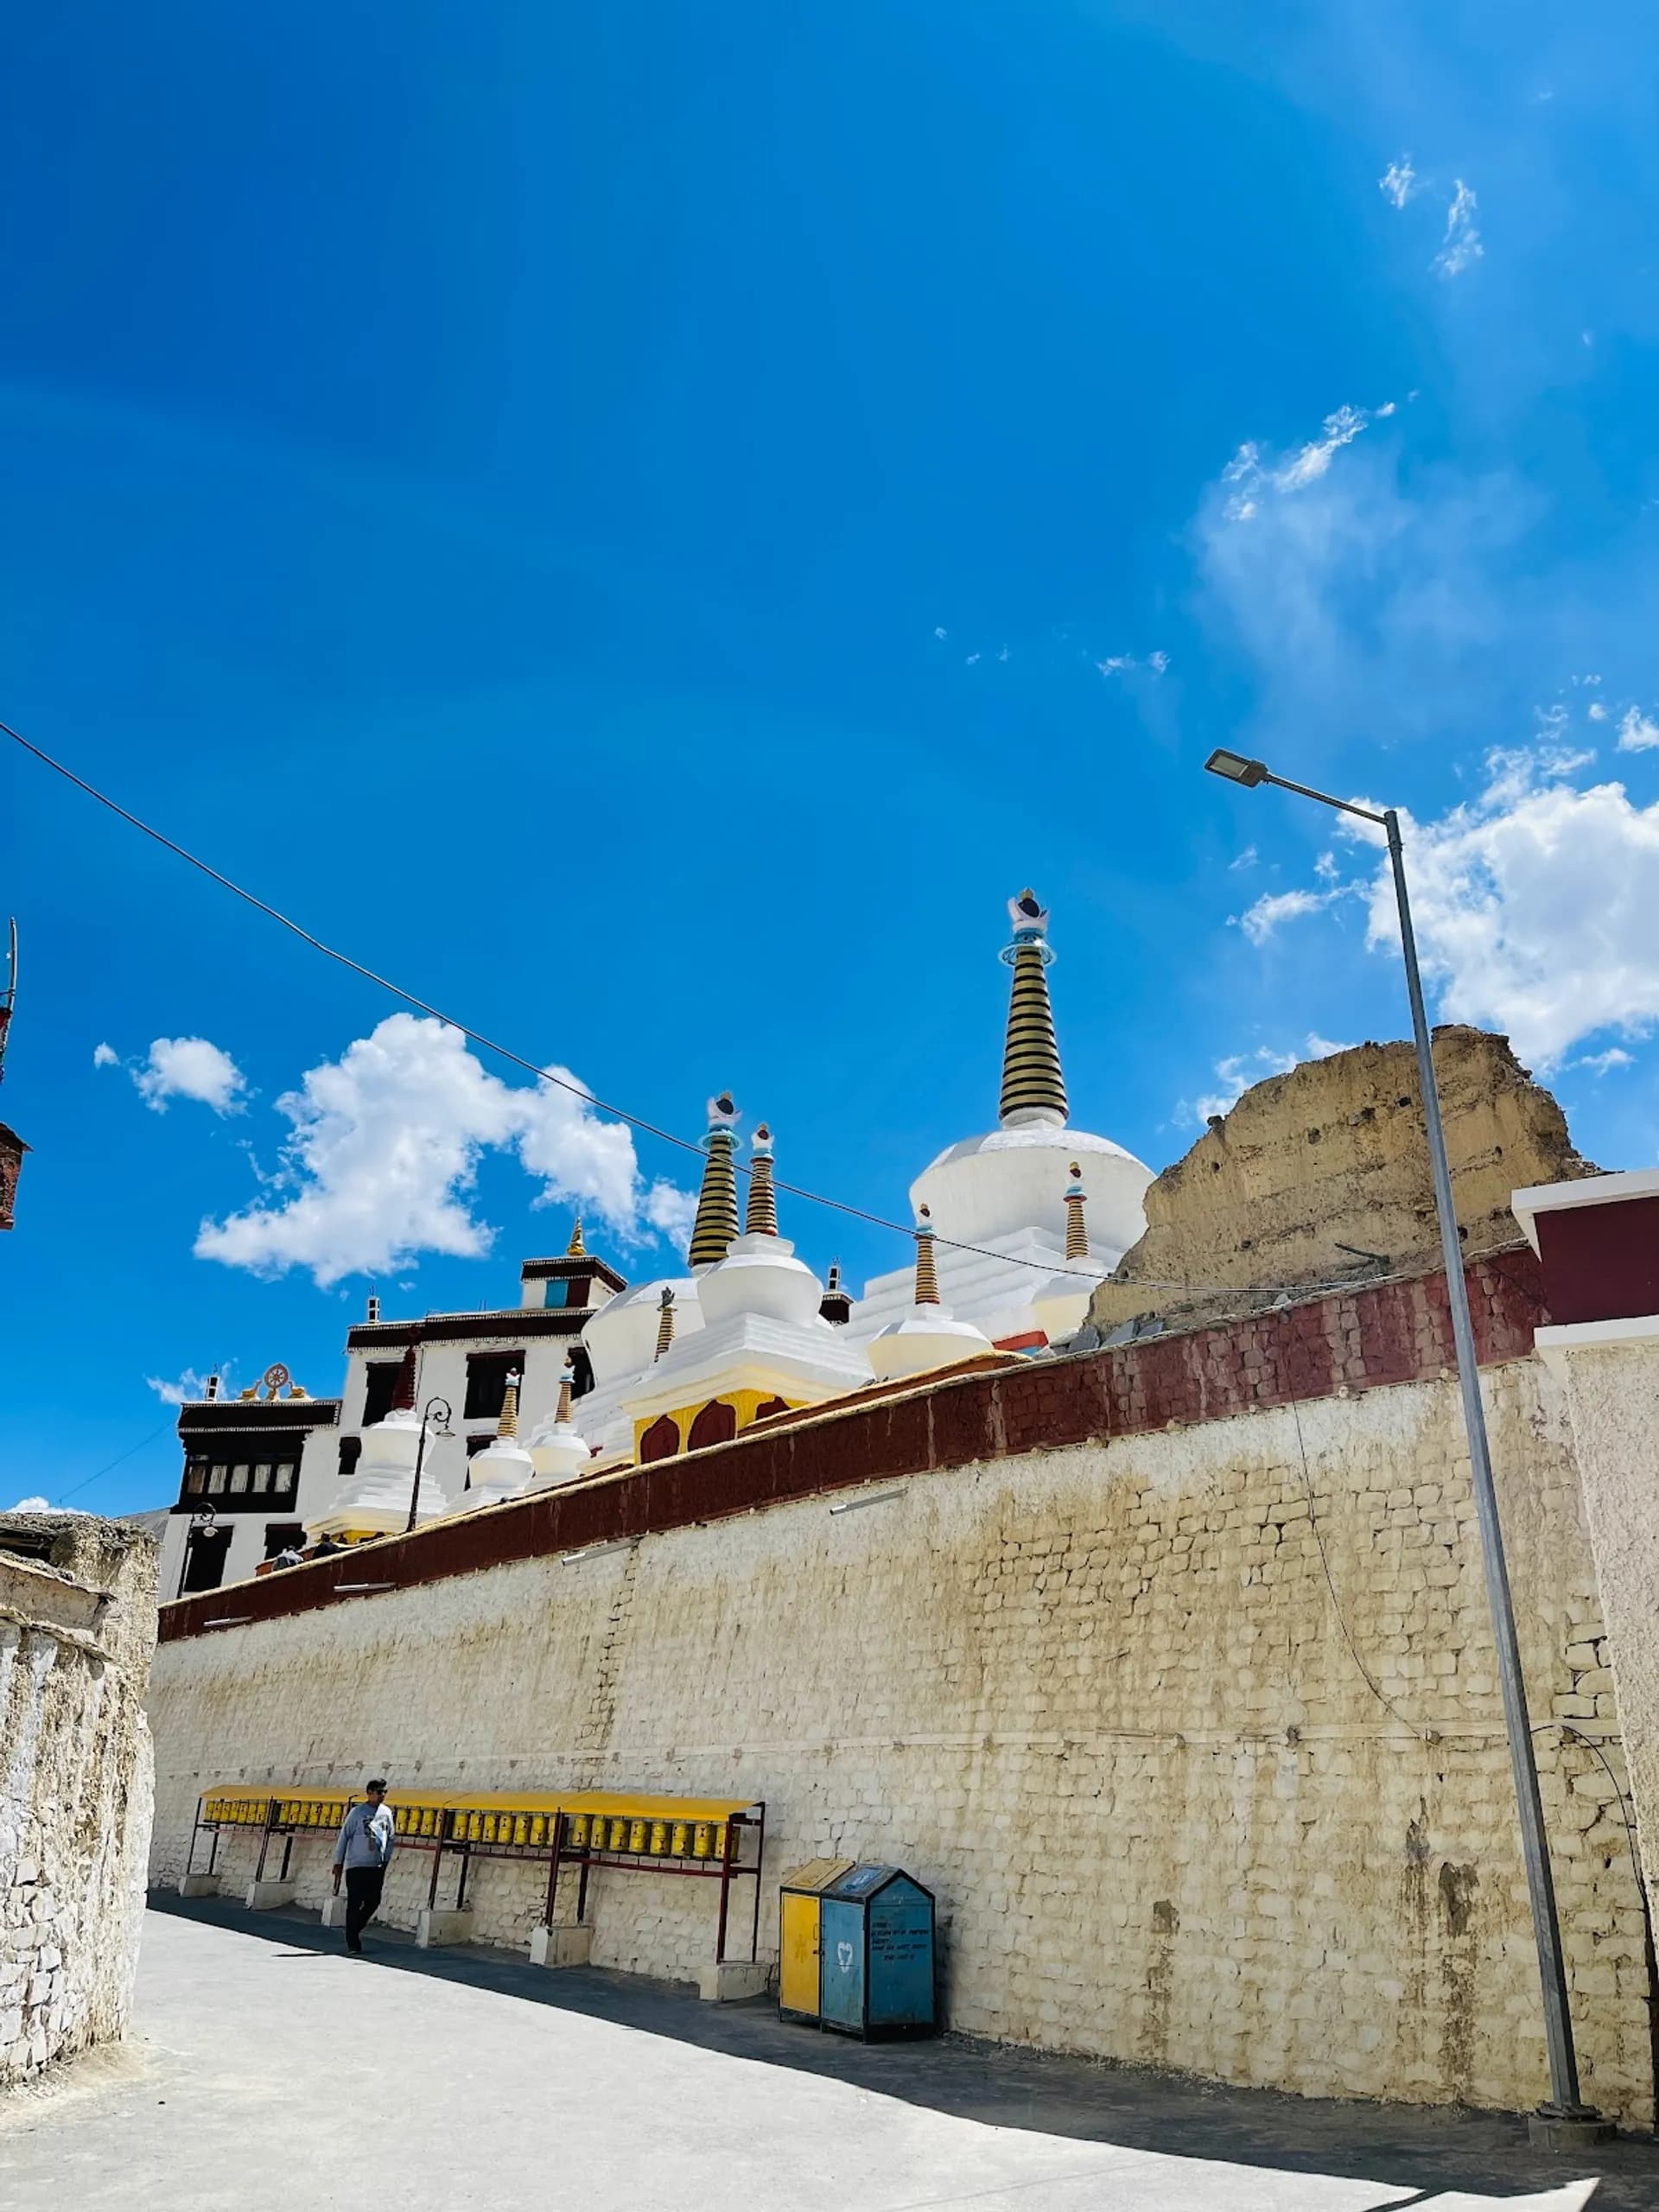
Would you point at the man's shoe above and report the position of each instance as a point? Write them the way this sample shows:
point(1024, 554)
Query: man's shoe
point(355, 1950)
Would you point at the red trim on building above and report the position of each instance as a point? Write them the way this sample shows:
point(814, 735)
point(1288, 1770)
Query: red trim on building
point(1601, 1263)
point(1398, 1332)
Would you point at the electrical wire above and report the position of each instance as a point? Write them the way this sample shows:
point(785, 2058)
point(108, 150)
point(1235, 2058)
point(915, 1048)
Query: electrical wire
point(165, 1426)
point(578, 1090)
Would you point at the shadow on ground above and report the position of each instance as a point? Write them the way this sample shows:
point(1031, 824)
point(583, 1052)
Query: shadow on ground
point(1428, 2150)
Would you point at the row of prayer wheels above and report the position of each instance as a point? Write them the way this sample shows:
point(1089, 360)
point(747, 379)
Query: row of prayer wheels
point(639, 1835)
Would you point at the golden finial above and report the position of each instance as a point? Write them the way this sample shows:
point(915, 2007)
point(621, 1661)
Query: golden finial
point(665, 1322)
point(575, 1249)
point(508, 1424)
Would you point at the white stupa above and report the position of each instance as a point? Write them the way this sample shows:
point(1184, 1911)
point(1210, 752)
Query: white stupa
point(558, 1450)
point(928, 1337)
point(503, 1468)
point(374, 1499)
point(1003, 1193)
point(763, 1343)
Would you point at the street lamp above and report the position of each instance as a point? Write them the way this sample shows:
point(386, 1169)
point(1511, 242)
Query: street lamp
point(436, 1409)
point(1566, 2104)
point(202, 1523)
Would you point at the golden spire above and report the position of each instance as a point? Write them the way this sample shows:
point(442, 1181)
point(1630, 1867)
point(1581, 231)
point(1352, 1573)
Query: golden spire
point(716, 1220)
point(1077, 1229)
point(567, 1380)
point(1033, 1089)
point(664, 1322)
point(761, 1219)
point(927, 1280)
point(508, 1424)
point(575, 1249)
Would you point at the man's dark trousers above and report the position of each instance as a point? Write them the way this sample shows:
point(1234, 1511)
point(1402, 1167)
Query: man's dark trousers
point(363, 1888)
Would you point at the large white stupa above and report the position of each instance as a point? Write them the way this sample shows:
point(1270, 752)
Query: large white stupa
point(998, 1201)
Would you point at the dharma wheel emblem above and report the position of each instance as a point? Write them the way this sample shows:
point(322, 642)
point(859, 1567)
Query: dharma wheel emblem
point(275, 1377)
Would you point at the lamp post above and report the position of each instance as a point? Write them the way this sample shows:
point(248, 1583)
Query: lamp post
point(202, 1523)
point(1566, 2104)
point(436, 1409)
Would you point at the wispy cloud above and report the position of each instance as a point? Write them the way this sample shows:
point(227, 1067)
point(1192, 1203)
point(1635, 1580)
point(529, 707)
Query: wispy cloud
point(1461, 245)
point(1248, 858)
point(105, 1056)
point(1249, 475)
point(1638, 733)
point(1273, 908)
point(1605, 1063)
point(1236, 1074)
point(1398, 181)
point(189, 1385)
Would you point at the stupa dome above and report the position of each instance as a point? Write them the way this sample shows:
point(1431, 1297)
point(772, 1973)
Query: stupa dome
point(622, 1338)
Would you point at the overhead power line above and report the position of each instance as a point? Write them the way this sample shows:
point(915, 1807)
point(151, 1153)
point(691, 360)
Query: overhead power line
point(580, 1090)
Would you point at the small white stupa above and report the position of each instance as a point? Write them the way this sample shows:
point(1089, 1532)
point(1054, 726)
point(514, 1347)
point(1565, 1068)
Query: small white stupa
point(503, 1468)
point(1061, 1304)
point(764, 1346)
point(558, 1450)
point(375, 1498)
point(927, 1337)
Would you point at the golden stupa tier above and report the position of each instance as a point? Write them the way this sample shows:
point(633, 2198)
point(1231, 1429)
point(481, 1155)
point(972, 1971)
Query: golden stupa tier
point(695, 1828)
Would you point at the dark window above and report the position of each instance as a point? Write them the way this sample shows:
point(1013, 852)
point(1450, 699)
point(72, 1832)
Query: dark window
point(204, 1559)
point(279, 1534)
point(351, 1451)
point(486, 1383)
point(380, 1388)
point(715, 1424)
point(240, 1472)
point(476, 1444)
point(581, 1381)
point(660, 1442)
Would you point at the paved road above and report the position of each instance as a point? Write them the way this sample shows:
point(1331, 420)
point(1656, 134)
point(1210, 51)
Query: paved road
point(271, 2072)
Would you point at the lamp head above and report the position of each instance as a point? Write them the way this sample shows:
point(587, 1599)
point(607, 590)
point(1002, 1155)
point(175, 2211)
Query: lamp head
point(1235, 768)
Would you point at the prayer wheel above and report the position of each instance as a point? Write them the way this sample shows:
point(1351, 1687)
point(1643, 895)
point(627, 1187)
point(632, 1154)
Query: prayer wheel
point(658, 1838)
point(576, 1829)
point(636, 1835)
point(679, 1837)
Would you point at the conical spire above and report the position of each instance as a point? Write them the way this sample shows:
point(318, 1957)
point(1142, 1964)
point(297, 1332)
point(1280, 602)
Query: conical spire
point(575, 1249)
point(665, 1322)
point(508, 1424)
point(927, 1280)
point(716, 1220)
point(1033, 1089)
point(403, 1395)
point(567, 1383)
point(761, 1219)
point(1077, 1229)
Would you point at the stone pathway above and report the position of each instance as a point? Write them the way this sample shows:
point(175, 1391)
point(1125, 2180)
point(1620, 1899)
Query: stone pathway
point(272, 2072)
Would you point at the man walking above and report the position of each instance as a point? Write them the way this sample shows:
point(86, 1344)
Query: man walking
point(364, 1851)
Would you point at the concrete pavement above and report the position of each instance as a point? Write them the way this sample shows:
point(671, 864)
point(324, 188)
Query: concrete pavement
point(273, 2072)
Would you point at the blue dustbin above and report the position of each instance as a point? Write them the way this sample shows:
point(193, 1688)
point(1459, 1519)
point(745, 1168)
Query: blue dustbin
point(877, 1960)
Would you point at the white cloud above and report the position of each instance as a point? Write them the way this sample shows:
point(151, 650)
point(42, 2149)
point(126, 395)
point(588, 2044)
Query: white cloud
point(1247, 858)
point(1398, 181)
point(1158, 662)
point(1239, 1071)
point(1605, 1063)
point(670, 1212)
point(33, 1505)
point(187, 1067)
point(1461, 246)
point(1532, 903)
point(105, 1056)
point(1598, 712)
point(1638, 733)
point(385, 1152)
point(1251, 477)
point(189, 1386)
point(1273, 907)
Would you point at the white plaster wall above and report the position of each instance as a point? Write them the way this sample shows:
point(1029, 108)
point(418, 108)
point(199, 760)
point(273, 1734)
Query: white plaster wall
point(1098, 1699)
point(75, 1797)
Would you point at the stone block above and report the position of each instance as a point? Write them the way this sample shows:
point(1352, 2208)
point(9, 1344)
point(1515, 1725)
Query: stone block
point(198, 1886)
point(268, 1897)
point(731, 1981)
point(436, 1927)
point(561, 1947)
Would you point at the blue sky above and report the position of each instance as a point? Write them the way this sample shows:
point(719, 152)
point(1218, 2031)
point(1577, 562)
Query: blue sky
point(649, 525)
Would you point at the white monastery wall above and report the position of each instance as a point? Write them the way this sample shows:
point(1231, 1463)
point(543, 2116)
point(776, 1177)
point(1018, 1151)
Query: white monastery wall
point(1099, 1698)
point(76, 1631)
